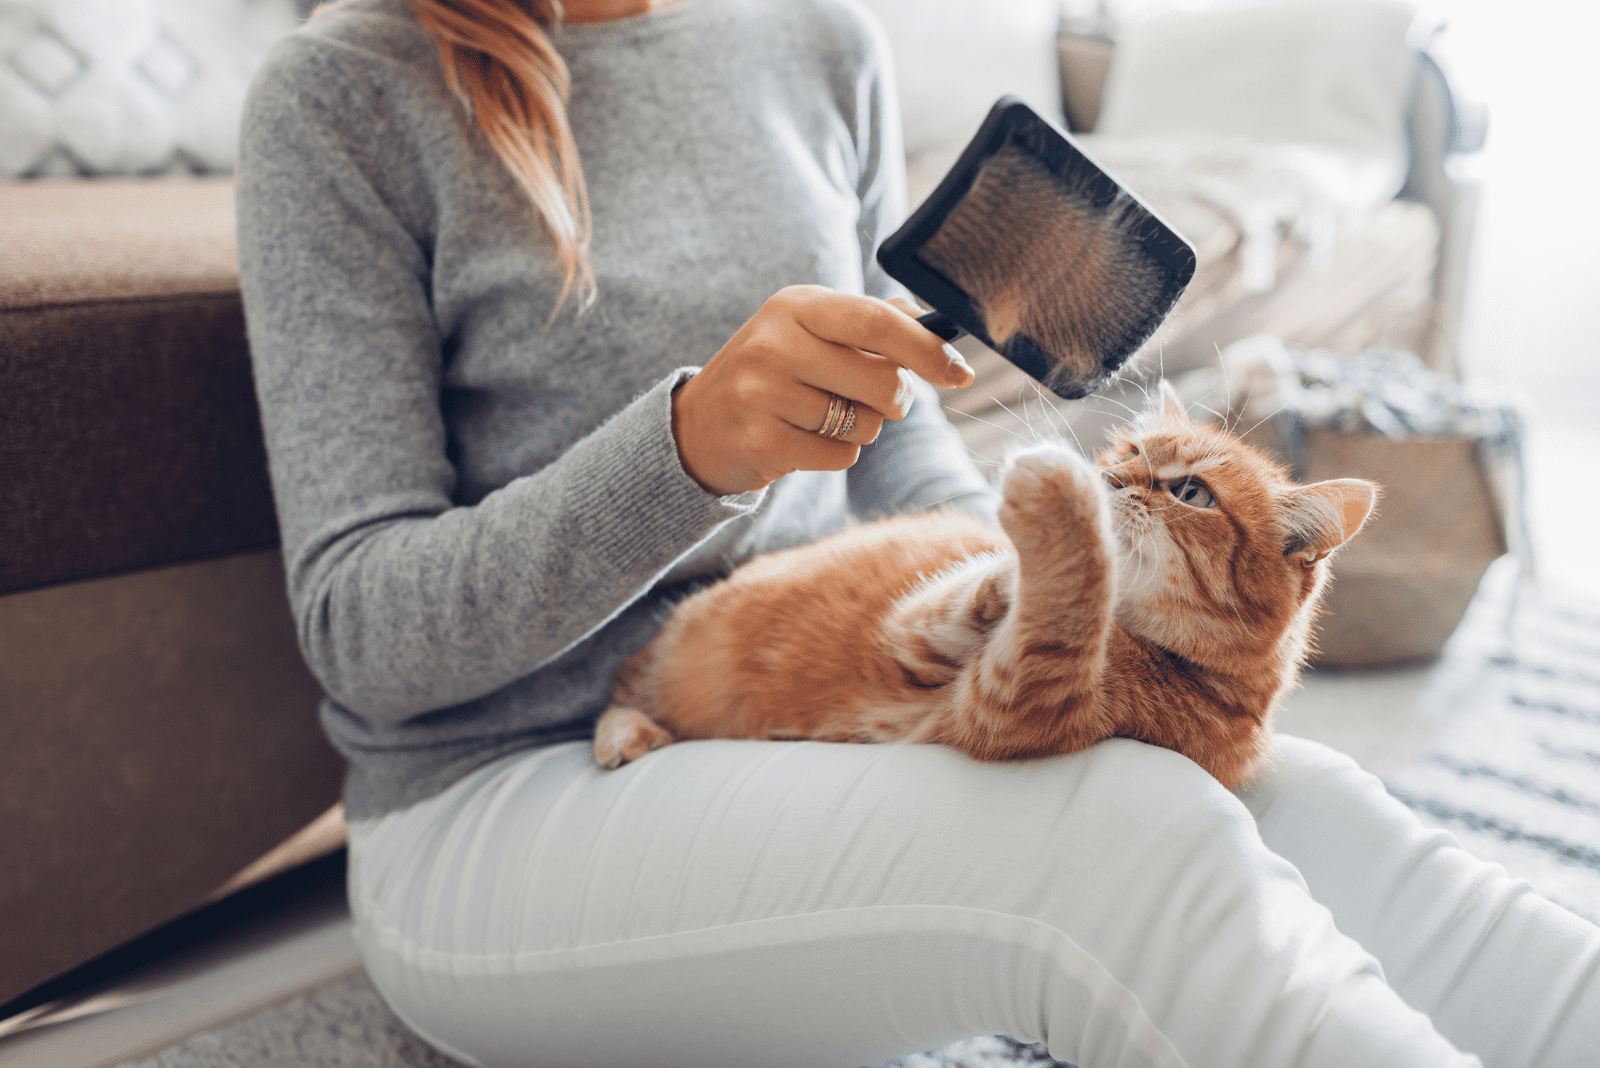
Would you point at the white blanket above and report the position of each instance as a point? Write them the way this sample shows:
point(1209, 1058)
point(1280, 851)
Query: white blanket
point(1264, 193)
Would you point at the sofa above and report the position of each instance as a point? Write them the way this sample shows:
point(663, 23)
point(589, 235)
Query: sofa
point(1329, 187)
point(160, 724)
point(161, 740)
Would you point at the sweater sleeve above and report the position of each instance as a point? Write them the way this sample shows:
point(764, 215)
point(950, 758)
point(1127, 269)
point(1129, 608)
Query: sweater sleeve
point(920, 461)
point(406, 602)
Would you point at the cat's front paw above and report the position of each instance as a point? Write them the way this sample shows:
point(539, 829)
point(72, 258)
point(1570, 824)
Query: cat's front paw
point(626, 734)
point(1050, 483)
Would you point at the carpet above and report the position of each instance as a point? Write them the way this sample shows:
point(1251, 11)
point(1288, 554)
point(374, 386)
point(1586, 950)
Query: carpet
point(344, 1024)
point(1513, 772)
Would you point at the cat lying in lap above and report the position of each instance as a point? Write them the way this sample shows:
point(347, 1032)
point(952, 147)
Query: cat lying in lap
point(1166, 594)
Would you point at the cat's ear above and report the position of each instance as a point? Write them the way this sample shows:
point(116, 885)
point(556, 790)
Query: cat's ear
point(1166, 406)
point(1319, 518)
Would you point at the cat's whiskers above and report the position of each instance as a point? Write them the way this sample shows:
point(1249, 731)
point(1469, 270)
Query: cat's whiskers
point(1263, 419)
point(1206, 459)
point(1227, 387)
point(978, 457)
point(1050, 412)
point(1144, 390)
point(1023, 420)
point(943, 500)
point(1065, 422)
point(1053, 432)
point(1144, 454)
point(1136, 413)
point(1138, 549)
point(997, 426)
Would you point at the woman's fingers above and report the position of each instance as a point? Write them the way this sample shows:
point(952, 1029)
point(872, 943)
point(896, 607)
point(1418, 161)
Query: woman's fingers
point(808, 451)
point(814, 410)
point(864, 377)
point(754, 412)
point(876, 326)
point(907, 306)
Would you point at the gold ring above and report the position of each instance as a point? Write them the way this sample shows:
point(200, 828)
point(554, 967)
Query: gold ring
point(841, 415)
point(849, 423)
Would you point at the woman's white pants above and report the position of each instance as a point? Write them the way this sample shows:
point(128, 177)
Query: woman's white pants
point(807, 905)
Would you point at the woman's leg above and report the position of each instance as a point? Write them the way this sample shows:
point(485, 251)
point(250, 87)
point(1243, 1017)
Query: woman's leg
point(1500, 970)
point(757, 903)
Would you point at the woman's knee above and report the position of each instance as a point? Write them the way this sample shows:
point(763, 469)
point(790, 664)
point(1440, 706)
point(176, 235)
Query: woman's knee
point(1305, 779)
point(1146, 839)
point(1150, 791)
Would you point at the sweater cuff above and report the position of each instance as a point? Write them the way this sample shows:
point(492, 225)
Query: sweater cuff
point(642, 509)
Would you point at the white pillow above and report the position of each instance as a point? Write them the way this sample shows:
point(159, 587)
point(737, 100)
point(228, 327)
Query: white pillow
point(1331, 75)
point(128, 86)
point(955, 58)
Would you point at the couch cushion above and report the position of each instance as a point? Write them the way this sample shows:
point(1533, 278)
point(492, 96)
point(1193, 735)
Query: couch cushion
point(131, 87)
point(130, 436)
point(161, 734)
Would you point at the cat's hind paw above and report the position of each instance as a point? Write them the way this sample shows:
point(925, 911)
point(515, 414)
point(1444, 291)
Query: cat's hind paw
point(625, 734)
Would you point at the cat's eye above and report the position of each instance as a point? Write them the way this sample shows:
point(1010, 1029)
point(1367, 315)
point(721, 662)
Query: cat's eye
point(1192, 493)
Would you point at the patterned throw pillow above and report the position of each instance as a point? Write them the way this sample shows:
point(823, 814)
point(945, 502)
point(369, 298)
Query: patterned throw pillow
point(116, 87)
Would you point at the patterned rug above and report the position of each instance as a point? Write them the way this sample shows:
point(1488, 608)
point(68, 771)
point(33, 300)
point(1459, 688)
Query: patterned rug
point(1514, 772)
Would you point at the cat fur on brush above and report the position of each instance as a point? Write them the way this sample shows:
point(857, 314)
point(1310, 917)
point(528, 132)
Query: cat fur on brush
point(1166, 594)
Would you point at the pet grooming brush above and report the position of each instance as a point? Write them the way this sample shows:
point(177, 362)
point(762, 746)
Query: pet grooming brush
point(1032, 249)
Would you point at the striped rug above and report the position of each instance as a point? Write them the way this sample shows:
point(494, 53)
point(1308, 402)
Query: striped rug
point(1514, 772)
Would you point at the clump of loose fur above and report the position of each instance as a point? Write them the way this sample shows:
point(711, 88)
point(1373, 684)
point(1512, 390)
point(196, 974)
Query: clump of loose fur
point(1051, 270)
point(1166, 594)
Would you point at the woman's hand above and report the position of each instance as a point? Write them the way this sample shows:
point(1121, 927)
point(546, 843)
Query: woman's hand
point(752, 415)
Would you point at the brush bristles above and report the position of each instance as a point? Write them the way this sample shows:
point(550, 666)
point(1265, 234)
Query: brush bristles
point(1048, 265)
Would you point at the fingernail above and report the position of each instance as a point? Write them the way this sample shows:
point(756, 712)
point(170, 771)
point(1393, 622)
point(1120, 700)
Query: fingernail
point(959, 370)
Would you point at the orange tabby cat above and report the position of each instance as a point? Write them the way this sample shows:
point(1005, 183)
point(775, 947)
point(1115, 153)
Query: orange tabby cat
point(1165, 595)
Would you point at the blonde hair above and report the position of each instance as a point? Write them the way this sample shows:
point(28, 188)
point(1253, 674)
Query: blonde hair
point(499, 61)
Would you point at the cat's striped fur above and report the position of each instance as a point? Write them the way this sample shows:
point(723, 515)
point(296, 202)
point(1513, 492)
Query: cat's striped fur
point(1166, 594)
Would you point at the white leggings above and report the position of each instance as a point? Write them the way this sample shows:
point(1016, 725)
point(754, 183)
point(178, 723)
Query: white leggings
point(807, 905)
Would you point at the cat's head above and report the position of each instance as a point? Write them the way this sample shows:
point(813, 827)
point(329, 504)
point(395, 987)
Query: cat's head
point(1219, 550)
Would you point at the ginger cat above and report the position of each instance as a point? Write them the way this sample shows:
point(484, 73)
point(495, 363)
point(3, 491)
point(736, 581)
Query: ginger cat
point(1165, 595)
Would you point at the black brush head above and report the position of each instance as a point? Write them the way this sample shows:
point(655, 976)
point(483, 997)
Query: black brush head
point(1030, 247)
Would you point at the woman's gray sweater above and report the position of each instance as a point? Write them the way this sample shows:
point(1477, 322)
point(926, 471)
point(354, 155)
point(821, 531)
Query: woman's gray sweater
point(482, 509)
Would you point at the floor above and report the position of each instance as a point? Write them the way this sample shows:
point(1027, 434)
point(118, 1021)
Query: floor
point(1537, 268)
point(275, 941)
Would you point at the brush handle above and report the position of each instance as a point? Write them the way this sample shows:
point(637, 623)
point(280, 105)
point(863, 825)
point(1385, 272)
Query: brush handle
point(941, 324)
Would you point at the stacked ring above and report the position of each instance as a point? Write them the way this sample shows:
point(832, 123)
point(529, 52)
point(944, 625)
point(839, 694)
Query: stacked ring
point(849, 423)
point(840, 418)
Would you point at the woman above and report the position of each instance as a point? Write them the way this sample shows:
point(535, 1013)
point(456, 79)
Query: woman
point(497, 454)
